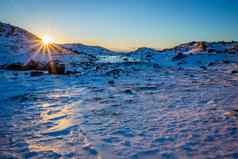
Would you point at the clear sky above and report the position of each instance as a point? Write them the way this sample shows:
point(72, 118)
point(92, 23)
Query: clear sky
point(125, 24)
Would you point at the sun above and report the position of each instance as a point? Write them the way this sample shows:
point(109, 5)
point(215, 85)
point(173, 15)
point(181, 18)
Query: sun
point(46, 39)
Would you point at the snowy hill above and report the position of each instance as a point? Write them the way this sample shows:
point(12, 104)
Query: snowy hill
point(208, 47)
point(93, 50)
point(20, 46)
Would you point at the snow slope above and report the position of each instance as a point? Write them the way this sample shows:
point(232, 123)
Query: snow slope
point(20, 46)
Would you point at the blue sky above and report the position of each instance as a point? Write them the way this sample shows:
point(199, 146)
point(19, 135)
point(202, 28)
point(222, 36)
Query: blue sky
point(125, 24)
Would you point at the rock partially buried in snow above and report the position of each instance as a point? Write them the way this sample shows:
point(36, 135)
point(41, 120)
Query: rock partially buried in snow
point(36, 73)
point(56, 67)
point(31, 65)
point(111, 82)
point(16, 67)
point(203, 67)
point(234, 71)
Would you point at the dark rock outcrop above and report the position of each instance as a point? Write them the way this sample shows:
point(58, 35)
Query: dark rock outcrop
point(31, 65)
point(56, 67)
point(15, 66)
point(234, 71)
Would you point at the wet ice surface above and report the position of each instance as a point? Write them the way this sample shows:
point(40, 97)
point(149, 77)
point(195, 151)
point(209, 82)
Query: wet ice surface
point(150, 113)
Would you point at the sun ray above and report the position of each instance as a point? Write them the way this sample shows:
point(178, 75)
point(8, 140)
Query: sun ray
point(45, 47)
point(35, 53)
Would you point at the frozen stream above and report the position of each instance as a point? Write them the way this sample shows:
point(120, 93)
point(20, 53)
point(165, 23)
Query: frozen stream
point(148, 114)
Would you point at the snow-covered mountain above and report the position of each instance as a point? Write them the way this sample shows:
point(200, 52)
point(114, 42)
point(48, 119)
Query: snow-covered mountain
point(20, 46)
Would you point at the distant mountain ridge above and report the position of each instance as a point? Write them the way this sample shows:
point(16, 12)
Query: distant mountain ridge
point(78, 47)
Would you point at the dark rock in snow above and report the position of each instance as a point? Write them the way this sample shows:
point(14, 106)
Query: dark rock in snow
point(128, 91)
point(71, 72)
point(180, 63)
point(211, 64)
point(125, 59)
point(32, 65)
point(148, 55)
point(36, 73)
point(226, 62)
point(203, 67)
point(111, 82)
point(179, 56)
point(56, 67)
point(16, 66)
point(211, 50)
point(234, 71)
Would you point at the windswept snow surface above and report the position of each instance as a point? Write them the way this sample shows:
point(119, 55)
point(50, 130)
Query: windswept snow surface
point(145, 112)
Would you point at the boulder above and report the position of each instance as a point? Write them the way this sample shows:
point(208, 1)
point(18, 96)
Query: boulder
point(56, 67)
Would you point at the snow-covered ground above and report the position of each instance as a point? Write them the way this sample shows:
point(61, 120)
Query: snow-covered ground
point(173, 103)
point(141, 113)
